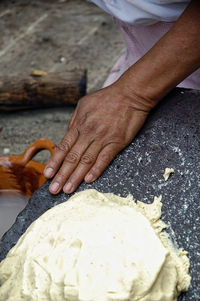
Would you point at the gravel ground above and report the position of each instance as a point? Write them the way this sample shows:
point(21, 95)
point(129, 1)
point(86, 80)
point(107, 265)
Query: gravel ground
point(52, 36)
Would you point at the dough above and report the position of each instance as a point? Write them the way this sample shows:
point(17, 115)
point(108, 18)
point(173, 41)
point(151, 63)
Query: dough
point(167, 173)
point(95, 247)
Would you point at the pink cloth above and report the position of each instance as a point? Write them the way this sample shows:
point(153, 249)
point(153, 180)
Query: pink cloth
point(138, 41)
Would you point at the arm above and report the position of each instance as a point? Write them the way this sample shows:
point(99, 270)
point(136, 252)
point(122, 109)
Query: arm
point(172, 59)
point(106, 121)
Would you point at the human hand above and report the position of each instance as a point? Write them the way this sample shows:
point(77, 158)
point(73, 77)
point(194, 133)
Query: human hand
point(102, 125)
point(106, 121)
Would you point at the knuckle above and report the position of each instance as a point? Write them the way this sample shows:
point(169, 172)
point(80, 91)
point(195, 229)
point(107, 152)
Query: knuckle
point(60, 178)
point(105, 158)
point(62, 147)
point(96, 171)
point(88, 128)
point(53, 162)
point(72, 158)
point(87, 159)
point(66, 143)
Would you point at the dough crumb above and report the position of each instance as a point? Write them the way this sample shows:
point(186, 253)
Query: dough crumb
point(167, 173)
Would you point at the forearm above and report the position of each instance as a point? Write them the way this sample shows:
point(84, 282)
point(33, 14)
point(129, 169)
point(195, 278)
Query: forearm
point(175, 56)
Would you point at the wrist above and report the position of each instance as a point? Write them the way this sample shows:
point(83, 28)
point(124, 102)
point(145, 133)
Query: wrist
point(130, 86)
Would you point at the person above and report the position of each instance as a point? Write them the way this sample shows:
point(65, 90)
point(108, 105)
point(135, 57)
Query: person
point(163, 51)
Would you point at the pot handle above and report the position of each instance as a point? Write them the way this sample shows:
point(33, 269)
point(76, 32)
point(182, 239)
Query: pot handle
point(36, 147)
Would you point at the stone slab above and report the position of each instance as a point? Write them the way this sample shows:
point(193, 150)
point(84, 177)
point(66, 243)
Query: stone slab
point(170, 138)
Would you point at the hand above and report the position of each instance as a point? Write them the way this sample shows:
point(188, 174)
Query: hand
point(102, 125)
point(106, 121)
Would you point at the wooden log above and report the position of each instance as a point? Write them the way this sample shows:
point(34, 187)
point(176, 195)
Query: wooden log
point(41, 89)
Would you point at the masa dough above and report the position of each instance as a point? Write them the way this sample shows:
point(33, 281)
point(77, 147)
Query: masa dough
point(95, 247)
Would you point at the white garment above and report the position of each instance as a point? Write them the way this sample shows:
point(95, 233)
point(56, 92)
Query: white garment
point(143, 12)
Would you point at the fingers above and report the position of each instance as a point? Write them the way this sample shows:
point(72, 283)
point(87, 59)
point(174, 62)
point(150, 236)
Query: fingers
point(87, 160)
point(76, 156)
point(61, 151)
point(92, 164)
point(103, 160)
point(83, 162)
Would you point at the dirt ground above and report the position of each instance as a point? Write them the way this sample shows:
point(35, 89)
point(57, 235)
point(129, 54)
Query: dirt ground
point(52, 36)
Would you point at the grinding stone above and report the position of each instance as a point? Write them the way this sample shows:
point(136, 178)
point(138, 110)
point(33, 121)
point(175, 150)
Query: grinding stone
point(170, 138)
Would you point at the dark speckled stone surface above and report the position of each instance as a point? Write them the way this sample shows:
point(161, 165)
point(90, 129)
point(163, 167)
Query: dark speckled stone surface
point(170, 138)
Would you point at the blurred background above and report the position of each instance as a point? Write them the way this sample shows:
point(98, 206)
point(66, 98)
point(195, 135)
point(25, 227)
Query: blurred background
point(53, 36)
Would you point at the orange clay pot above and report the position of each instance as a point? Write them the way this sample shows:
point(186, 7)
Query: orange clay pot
point(20, 173)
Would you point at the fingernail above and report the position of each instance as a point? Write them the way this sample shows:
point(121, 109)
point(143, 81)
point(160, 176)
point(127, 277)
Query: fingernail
point(54, 187)
point(68, 188)
point(48, 172)
point(89, 178)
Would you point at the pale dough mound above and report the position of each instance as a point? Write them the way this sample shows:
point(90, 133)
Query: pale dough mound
point(95, 247)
